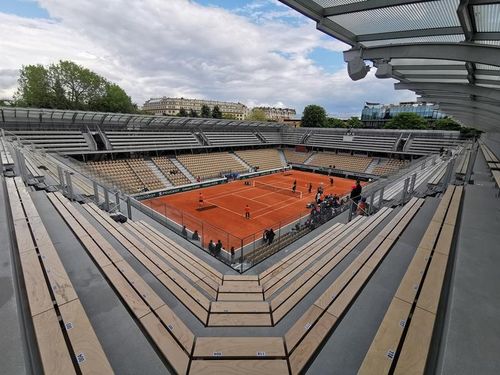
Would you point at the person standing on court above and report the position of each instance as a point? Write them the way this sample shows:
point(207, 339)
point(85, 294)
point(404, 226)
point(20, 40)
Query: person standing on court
point(310, 188)
point(294, 186)
point(247, 212)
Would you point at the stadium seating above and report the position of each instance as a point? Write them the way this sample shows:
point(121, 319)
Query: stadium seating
point(170, 170)
point(264, 159)
point(272, 137)
point(232, 138)
point(388, 167)
point(54, 141)
point(296, 157)
point(356, 142)
point(292, 137)
point(341, 161)
point(426, 146)
point(406, 331)
point(211, 165)
point(51, 296)
point(151, 140)
point(132, 175)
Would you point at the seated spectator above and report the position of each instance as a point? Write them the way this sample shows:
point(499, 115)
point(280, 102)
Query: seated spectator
point(232, 254)
point(218, 248)
point(362, 207)
point(196, 236)
point(184, 232)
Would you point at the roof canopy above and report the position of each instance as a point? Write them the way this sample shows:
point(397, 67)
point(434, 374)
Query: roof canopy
point(446, 51)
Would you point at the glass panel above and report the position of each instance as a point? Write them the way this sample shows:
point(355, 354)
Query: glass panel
point(487, 17)
point(424, 39)
point(417, 16)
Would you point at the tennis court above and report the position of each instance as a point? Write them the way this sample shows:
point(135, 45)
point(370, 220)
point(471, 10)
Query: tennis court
point(271, 201)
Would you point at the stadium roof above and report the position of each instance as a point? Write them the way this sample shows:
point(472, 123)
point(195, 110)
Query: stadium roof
point(54, 117)
point(446, 51)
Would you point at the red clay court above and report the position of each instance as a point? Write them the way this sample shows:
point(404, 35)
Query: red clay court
point(223, 214)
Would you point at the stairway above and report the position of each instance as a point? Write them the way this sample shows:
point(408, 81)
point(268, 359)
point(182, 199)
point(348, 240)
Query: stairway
point(375, 162)
point(90, 141)
point(183, 169)
point(242, 162)
point(282, 157)
point(260, 137)
point(309, 158)
point(164, 180)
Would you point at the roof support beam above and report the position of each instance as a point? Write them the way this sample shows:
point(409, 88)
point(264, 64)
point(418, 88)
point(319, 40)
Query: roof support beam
point(435, 76)
point(450, 87)
point(471, 52)
point(437, 97)
point(429, 67)
point(469, 104)
point(366, 5)
point(314, 11)
point(449, 107)
point(411, 33)
point(466, 21)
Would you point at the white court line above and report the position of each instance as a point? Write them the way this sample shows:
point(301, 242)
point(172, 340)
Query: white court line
point(259, 202)
point(269, 211)
point(227, 209)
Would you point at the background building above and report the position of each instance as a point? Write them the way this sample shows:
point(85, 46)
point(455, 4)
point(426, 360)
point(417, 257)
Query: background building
point(375, 115)
point(278, 114)
point(172, 106)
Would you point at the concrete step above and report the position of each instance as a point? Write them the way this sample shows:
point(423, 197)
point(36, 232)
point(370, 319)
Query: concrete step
point(183, 169)
point(242, 162)
point(165, 181)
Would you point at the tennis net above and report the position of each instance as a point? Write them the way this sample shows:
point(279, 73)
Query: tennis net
point(277, 189)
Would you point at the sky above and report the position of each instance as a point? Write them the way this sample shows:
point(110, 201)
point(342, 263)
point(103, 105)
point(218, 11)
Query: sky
point(257, 52)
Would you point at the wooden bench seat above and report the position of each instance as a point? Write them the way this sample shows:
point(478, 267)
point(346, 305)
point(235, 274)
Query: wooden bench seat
point(306, 335)
point(240, 307)
point(240, 297)
point(172, 337)
point(239, 347)
point(240, 367)
point(239, 320)
point(416, 301)
point(48, 286)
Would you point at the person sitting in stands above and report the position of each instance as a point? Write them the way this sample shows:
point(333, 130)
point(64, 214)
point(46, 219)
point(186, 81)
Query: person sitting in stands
point(362, 207)
point(184, 232)
point(270, 236)
point(198, 179)
point(211, 248)
point(232, 254)
point(196, 236)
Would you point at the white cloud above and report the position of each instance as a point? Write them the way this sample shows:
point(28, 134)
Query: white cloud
point(180, 48)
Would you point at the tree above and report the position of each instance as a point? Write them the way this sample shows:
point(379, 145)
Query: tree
point(354, 122)
point(216, 112)
point(66, 85)
point(314, 116)
point(332, 122)
point(257, 114)
point(182, 113)
point(205, 111)
point(446, 124)
point(33, 87)
point(193, 113)
point(406, 120)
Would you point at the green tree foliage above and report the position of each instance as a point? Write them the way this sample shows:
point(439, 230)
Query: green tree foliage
point(332, 122)
point(446, 124)
point(193, 113)
point(182, 112)
point(205, 111)
point(354, 122)
point(216, 112)
point(314, 116)
point(257, 114)
point(406, 120)
point(66, 85)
